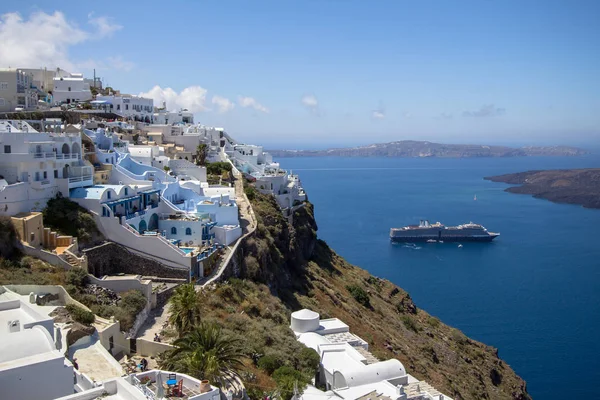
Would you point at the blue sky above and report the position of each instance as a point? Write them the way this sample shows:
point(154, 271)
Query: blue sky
point(321, 73)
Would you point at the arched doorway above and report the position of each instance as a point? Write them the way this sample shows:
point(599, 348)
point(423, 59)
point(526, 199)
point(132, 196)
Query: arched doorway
point(66, 171)
point(143, 226)
point(153, 224)
point(76, 149)
point(65, 148)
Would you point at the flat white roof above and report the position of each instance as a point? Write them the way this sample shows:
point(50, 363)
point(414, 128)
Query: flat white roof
point(25, 343)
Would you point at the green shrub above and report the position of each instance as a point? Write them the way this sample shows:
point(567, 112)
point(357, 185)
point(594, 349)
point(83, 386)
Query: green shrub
point(269, 363)
point(433, 321)
point(250, 192)
point(217, 168)
point(309, 361)
point(133, 301)
point(8, 237)
point(80, 315)
point(77, 277)
point(69, 218)
point(286, 378)
point(409, 323)
point(359, 294)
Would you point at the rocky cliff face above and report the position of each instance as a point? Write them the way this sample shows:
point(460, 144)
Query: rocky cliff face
point(571, 186)
point(302, 271)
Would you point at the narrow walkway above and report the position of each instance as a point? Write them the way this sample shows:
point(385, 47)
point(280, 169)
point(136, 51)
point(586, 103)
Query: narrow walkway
point(247, 222)
point(154, 323)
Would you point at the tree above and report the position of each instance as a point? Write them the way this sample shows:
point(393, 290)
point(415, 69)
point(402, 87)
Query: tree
point(205, 353)
point(201, 154)
point(185, 308)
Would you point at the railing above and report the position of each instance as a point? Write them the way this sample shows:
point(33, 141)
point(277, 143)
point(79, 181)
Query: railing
point(73, 156)
point(144, 389)
point(80, 178)
point(43, 155)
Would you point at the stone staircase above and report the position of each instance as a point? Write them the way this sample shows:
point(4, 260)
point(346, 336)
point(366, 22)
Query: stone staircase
point(73, 261)
point(418, 388)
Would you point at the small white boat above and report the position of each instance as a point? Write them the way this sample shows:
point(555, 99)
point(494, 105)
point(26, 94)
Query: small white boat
point(460, 245)
point(475, 198)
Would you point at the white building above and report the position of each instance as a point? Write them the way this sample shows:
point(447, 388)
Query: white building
point(16, 90)
point(348, 370)
point(70, 89)
point(135, 107)
point(31, 368)
point(35, 166)
point(150, 385)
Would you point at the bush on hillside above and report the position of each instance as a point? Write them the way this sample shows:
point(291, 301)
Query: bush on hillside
point(133, 301)
point(217, 168)
point(359, 294)
point(8, 238)
point(269, 363)
point(80, 315)
point(286, 378)
point(77, 277)
point(69, 218)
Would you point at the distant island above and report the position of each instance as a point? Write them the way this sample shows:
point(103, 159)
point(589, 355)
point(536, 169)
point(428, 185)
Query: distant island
point(411, 149)
point(572, 186)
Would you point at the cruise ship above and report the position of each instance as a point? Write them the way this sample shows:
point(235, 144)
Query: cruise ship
point(437, 232)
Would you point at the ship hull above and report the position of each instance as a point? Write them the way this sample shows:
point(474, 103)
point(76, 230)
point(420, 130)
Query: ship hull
point(449, 239)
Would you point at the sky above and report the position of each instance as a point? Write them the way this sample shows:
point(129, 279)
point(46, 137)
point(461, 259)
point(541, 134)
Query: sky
point(320, 73)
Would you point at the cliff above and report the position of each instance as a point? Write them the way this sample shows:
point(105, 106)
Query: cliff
point(411, 148)
point(286, 267)
point(573, 186)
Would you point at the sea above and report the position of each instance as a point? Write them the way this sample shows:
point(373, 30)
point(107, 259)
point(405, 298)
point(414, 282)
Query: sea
point(533, 293)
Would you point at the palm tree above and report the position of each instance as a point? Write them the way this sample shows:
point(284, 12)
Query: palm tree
point(201, 154)
point(206, 353)
point(185, 308)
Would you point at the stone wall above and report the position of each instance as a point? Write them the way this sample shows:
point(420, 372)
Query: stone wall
point(111, 258)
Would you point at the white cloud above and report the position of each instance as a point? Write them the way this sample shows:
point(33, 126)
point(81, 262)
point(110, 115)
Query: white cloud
point(43, 40)
point(104, 26)
point(310, 101)
point(246, 102)
point(378, 114)
point(193, 98)
point(223, 105)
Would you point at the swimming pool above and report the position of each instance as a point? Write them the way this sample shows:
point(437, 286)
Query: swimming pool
point(187, 250)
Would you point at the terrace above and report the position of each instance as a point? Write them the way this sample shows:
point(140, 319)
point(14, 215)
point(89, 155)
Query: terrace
point(157, 384)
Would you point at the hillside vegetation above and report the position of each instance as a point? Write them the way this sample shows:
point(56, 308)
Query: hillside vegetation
point(286, 268)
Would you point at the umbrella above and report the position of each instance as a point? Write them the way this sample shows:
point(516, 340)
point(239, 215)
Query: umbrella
point(160, 390)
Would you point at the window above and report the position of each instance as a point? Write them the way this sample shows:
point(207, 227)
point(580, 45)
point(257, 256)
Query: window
point(56, 173)
point(7, 149)
point(118, 106)
point(111, 343)
point(127, 106)
point(173, 231)
point(45, 174)
point(108, 195)
point(188, 231)
point(126, 192)
point(2, 103)
point(69, 88)
point(3, 85)
point(31, 237)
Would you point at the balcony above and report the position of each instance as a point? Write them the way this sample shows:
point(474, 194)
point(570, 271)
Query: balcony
point(73, 156)
point(43, 184)
point(44, 155)
point(80, 181)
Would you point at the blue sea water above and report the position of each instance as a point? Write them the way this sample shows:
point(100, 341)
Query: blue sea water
point(534, 293)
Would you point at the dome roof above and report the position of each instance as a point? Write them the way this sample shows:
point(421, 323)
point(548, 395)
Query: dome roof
point(305, 314)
